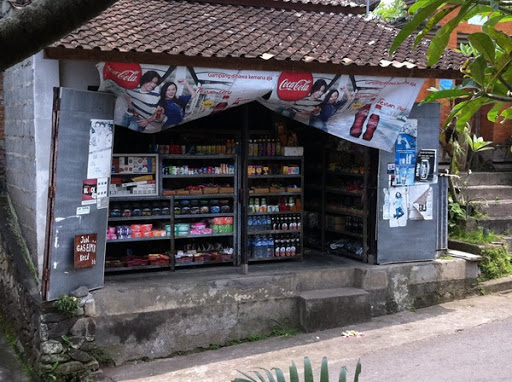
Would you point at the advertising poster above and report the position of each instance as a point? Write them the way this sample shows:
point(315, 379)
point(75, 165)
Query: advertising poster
point(398, 213)
point(100, 148)
point(370, 111)
point(420, 202)
point(89, 191)
point(405, 155)
point(426, 166)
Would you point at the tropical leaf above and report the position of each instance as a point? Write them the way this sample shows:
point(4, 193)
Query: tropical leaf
point(269, 375)
point(468, 110)
point(493, 114)
point(507, 113)
point(502, 39)
point(446, 93)
point(477, 70)
point(433, 22)
point(279, 375)
point(484, 44)
point(419, 17)
point(343, 375)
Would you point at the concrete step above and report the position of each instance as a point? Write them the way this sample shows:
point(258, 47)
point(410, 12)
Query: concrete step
point(501, 208)
point(487, 192)
point(486, 178)
point(496, 225)
point(323, 309)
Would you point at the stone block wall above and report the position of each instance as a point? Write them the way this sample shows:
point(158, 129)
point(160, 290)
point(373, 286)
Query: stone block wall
point(49, 341)
point(20, 160)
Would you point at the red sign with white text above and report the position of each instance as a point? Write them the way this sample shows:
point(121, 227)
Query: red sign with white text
point(294, 86)
point(125, 75)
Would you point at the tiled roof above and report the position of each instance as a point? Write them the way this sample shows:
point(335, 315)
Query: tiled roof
point(207, 34)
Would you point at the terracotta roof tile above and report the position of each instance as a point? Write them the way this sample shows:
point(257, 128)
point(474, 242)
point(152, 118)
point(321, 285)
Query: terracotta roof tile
point(203, 30)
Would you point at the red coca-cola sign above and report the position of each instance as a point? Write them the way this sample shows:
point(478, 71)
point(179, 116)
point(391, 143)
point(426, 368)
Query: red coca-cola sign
point(294, 86)
point(125, 75)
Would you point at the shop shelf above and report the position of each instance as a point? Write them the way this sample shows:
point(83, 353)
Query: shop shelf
point(345, 211)
point(199, 216)
point(353, 234)
point(345, 174)
point(275, 213)
point(204, 196)
point(198, 176)
point(132, 173)
point(204, 263)
point(275, 176)
point(273, 157)
point(275, 194)
point(139, 198)
point(132, 218)
point(138, 268)
point(279, 231)
point(196, 156)
point(138, 239)
point(337, 191)
point(209, 235)
point(275, 258)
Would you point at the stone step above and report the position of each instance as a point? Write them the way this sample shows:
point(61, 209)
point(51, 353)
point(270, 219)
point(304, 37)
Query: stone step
point(487, 193)
point(497, 225)
point(501, 208)
point(323, 309)
point(486, 178)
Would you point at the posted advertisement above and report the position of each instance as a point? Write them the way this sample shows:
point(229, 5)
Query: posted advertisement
point(367, 110)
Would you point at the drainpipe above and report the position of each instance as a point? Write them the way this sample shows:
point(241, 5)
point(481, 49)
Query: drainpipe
point(367, 9)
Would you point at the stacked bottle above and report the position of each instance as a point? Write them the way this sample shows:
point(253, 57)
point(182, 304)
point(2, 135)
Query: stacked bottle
point(269, 246)
point(290, 222)
point(264, 146)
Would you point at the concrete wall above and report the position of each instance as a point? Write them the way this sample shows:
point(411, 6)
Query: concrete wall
point(28, 89)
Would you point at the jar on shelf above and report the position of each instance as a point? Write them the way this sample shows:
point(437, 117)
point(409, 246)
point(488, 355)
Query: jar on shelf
point(115, 211)
point(177, 208)
point(203, 207)
point(224, 206)
point(155, 209)
point(165, 209)
point(136, 210)
point(214, 206)
point(185, 207)
point(146, 210)
point(126, 211)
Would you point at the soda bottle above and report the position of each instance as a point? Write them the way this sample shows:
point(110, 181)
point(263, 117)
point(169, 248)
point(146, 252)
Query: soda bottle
point(371, 126)
point(360, 117)
point(277, 251)
point(270, 246)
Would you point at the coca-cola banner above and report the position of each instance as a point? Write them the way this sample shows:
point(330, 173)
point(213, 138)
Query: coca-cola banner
point(368, 110)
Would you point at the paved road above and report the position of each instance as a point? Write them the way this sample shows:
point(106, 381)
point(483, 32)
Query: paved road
point(466, 340)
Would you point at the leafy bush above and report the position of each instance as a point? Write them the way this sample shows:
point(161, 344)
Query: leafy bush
point(294, 375)
point(497, 263)
point(68, 305)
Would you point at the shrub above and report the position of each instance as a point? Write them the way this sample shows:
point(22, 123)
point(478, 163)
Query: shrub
point(496, 264)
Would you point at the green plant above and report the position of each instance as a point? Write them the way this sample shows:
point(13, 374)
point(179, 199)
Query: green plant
point(497, 263)
point(68, 305)
point(456, 215)
point(102, 356)
point(474, 237)
point(294, 374)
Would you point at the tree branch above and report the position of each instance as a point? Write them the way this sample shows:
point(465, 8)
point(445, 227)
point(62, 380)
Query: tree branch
point(507, 85)
point(495, 97)
point(36, 26)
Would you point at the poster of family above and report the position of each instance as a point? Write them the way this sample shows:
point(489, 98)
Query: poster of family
point(367, 110)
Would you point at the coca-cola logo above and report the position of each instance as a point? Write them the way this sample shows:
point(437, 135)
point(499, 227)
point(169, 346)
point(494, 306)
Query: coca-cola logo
point(125, 75)
point(294, 86)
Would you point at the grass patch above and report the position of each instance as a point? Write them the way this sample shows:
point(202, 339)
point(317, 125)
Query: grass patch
point(474, 237)
point(497, 263)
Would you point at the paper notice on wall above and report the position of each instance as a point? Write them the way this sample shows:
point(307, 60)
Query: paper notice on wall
point(100, 148)
point(420, 202)
point(385, 208)
point(89, 191)
point(398, 207)
point(102, 193)
point(426, 166)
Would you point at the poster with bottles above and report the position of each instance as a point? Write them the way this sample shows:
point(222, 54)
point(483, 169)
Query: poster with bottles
point(405, 155)
point(370, 111)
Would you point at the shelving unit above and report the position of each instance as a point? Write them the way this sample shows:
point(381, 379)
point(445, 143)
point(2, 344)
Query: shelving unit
point(271, 214)
point(344, 202)
point(121, 250)
point(134, 175)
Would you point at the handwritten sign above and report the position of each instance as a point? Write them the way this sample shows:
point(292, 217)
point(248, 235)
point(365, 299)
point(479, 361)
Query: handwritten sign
point(85, 250)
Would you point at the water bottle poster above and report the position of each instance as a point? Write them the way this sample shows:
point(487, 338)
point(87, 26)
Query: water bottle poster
point(405, 155)
point(367, 110)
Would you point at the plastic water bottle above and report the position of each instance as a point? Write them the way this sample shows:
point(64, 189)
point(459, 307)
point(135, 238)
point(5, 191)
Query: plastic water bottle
point(250, 225)
point(257, 248)
point(270, 247)
point(268, 225)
